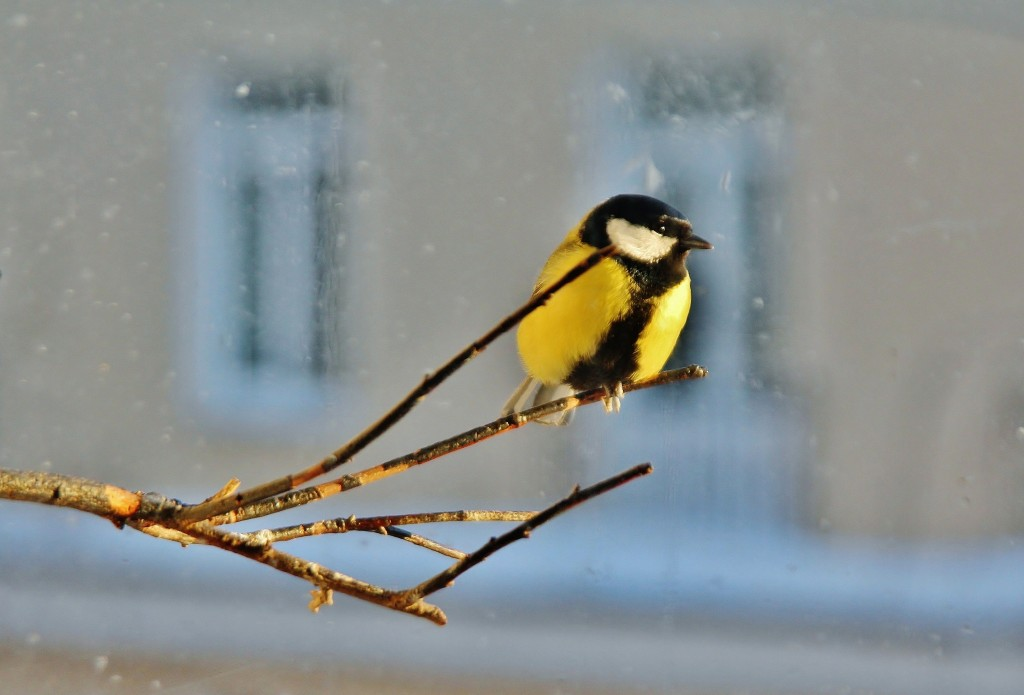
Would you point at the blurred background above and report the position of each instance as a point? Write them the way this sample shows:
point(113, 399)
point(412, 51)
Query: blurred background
point(231, 234)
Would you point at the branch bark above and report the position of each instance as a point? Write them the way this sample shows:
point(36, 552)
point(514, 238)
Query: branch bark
point(102, 499)
point(314, 493)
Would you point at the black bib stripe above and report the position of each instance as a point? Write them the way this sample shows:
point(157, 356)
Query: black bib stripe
point(615, 359)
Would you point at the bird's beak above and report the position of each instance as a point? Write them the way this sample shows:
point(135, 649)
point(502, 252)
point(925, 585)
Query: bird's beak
point(695, 242)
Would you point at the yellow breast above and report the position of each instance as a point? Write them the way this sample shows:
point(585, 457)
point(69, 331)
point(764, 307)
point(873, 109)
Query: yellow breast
point(555, 337)
point(659, 338)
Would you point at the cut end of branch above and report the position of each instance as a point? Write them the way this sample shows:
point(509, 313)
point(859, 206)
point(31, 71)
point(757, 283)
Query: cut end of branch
point(229, 489)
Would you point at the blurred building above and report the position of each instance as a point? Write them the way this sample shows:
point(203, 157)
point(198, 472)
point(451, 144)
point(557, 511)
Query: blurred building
point(232, 234)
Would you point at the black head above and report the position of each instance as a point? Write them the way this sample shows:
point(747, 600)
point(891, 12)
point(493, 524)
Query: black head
point(653, 238)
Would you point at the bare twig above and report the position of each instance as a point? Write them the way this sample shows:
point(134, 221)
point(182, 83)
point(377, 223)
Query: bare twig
point(375, 523)
point(422, 541)
point(576, 497)
point(217, 506)
point(504, 424)
point(388, 525)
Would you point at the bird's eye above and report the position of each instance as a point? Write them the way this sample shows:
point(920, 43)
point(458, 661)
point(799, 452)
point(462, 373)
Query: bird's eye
point(661, 229)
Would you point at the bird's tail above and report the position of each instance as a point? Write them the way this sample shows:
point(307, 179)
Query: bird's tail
point(532, 393)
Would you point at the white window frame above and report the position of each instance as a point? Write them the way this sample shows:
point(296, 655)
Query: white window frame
point(723, 483)
point(252, 308)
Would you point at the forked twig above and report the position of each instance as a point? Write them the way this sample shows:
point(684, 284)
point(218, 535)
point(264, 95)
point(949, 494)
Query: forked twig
point(250, 546)
point(255, 547)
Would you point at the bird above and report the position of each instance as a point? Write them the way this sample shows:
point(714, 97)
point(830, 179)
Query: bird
point(619, 321)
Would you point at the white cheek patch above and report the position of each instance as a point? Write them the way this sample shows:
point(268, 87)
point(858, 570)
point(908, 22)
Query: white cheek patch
point(637, 242)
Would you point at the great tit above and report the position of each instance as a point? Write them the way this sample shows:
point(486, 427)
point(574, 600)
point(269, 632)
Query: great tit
point(619, 321)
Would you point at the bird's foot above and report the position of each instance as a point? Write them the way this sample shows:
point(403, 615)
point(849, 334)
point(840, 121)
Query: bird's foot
point(613, 399)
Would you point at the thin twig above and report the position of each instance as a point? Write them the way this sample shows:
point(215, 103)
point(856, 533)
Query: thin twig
point(422, 541)
point(577, 496)
point(500, 426)
point(219, 506)
point(387, 525)
point(504, 424)
point(375, 523)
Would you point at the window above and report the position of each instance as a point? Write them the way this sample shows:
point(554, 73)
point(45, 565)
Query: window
point(704, 134)
point(261, 325)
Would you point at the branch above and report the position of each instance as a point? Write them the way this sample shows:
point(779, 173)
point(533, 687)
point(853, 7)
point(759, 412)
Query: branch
point(389, 526)
point(216, 507)
point(156, 515)
point(576, 497)
point(476, 435)
point(375, 523)
point(422, 541)
point(101, 499)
